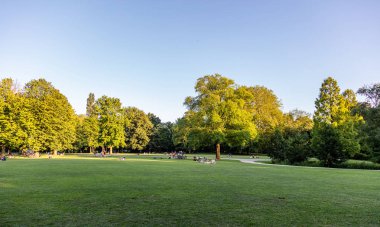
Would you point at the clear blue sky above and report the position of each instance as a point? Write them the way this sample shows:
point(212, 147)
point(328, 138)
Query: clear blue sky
point(150, 53)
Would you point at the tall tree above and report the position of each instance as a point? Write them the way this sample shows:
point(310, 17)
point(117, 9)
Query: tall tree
point(138, 128)
point(335, 134)
point(218, 114)
point(328, 103)
point(55, 119)
point(111, 130)
point(90, 111)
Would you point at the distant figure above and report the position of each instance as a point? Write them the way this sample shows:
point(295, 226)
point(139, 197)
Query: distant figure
point(3, 158)
point(229, 155)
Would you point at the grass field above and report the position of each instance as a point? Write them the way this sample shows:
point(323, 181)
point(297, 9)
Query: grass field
point(89, 191)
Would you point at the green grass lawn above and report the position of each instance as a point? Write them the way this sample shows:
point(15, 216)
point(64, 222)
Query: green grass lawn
point(145, 191)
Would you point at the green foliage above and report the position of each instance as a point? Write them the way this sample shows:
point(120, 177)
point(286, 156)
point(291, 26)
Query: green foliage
point(372, 94)
point(88, 132)
point(335, 132)
point(111, 122)
point(328, 103)
point(275, 145)
point(264, 106)
point(13, 125)
point(138, 128)
point(162, 138)
point(334, 144)
point(181, 132)
point(218, 114)
point(290, 143)
point(90, 107)
point(370, 131)
point(54, 118)
point(156, 121)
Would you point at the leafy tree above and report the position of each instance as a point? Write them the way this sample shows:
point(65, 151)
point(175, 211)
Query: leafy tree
point(372, 94)
point(335, 134)
point(55, 120)
point(218, 114)
point(264, 106)
point(370, 131)
point(156, 121)
point(162, 138)
point(291, 142)
point(9, 110)
point(138, 128)
point(298, 119)
point(181, 129)
point(88, 133)
point(111, 123)
point(276, 145)
point(90, 107)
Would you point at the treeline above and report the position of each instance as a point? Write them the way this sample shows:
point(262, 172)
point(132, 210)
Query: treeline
point(38, 118)
point(247, 120)
point(223, 116)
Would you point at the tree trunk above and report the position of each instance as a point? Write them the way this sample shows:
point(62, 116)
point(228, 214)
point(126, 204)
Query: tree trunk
point(3, 150)
point(55, 152)
point(217, 151)
point(110, 150)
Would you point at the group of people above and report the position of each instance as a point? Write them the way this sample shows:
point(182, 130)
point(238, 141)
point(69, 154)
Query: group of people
point(177, 155)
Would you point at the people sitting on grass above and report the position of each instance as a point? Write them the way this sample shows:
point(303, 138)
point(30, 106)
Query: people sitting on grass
point(204, 160)
point(3, 158)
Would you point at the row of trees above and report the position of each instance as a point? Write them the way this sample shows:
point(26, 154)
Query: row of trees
point(222, 116)
point(39, 118)
point(342, 128)
point(249, 119)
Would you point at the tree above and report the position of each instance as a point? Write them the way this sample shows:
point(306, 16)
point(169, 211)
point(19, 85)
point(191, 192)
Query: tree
point(138, 128)
point(370, 131)
point(88, 133)
point(90, 111)
point(290, 142)
point(156, 121)
point(181, 129)
point(162, 138)
point(372, 94)
point(111, 130)
point(54, 118)
point(218, 115)
point(10, 103)
point(264, 106)
point(335, 134)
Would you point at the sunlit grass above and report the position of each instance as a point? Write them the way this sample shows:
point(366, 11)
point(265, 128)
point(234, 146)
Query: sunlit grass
point(81, 190)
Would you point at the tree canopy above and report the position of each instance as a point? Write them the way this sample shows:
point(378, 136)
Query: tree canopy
point(219, 114)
